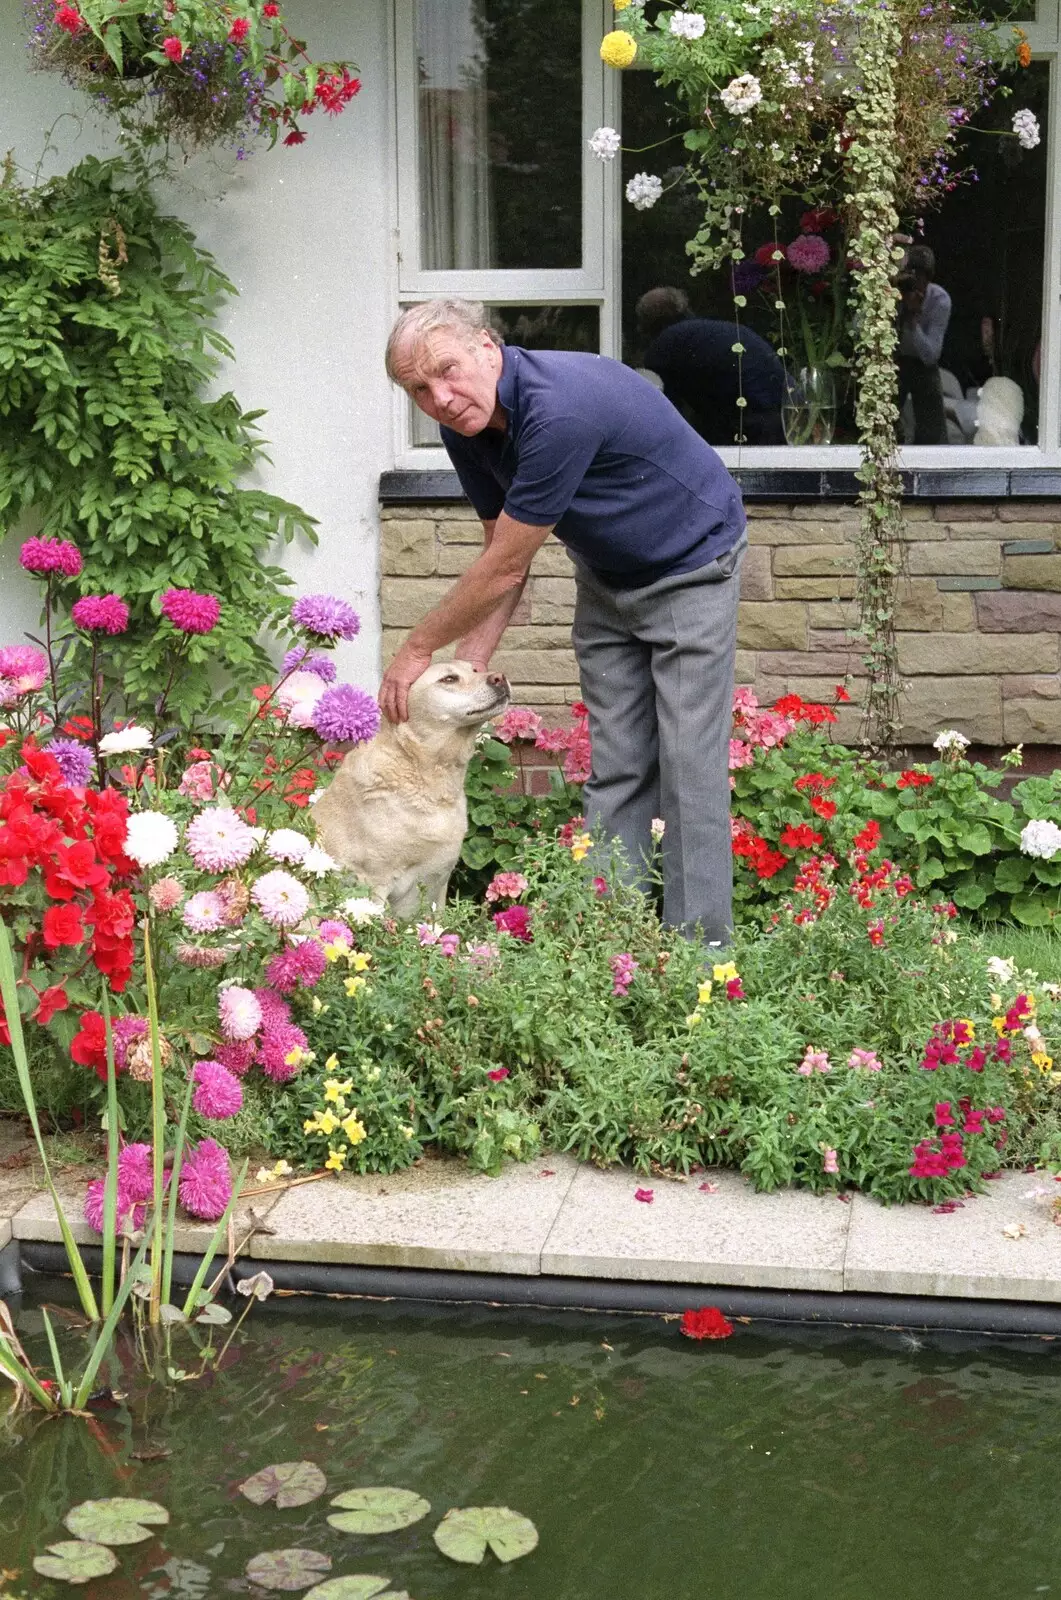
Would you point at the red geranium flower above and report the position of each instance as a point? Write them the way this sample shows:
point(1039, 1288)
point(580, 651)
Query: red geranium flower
point(706, 1323)
point(802, 837)
point(841, 694)
point(824, 808)
point(914, 780)
point(869, 838)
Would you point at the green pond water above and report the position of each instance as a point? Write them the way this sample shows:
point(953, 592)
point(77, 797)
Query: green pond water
point(773, 1466)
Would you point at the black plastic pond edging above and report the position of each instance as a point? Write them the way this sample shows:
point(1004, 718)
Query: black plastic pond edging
point(610, 1295)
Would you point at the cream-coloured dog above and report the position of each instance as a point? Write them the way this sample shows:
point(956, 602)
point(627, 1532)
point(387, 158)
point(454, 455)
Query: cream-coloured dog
point(395, 812)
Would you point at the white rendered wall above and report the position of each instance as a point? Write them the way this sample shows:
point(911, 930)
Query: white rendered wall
point(304, 234)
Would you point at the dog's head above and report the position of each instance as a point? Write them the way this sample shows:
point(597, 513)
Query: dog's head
point(455, 694)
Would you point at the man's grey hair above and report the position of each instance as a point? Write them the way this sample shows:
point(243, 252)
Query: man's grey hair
point(466, 318)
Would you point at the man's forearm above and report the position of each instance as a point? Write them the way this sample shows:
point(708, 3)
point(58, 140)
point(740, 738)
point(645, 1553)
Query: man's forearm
point(493, 582)
point(479, 644)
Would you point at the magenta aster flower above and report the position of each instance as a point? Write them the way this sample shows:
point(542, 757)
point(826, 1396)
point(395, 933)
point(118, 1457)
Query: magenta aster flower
point(218, 840)
point(238, 1056)
point(300, 964)
point(345, 713)
point(275, 1010)
point(24, 668)
point(217, 1091)
point(326, 616)
point(281, 899)
point(191, 612)
point(280, 1052)
point(75, 760)
point(204, 912)
point(45, 556)
point(101, 613)
point(134, 1171)
point(205, 1186)
point(808, 253)
point(333, 932)
point(321, 666)
point(135, 1186)
point(239, 1011)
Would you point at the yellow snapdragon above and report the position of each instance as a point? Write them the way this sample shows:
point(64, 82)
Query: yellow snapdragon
point(580, 846)
point(334, 1089)
point(724, 972)
point(336, 1159)
point(352, 985)
point(358, 960)
point(703, 991)
point(353, 1128)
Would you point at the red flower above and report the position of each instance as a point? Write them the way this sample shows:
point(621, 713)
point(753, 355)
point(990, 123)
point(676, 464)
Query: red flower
point(239, 30)
point(646, 1196)
point(914, 780)
point(824, 808)
point(820, 218)
point(842, 695)
point(802, 837)
point(78, 727)
point(765, 255)
point(498, 1075)
point(707, 1323)
point(271, 10)
point(295, 137)
point(875, 933)
point(62, 925)
point(813, 783)
point(75, 868)
point(49, 1002)
point(869, 838)
point(516, 921)
point(172, 48)
point(769, 863)
point(89, 1045)
point(69, 19)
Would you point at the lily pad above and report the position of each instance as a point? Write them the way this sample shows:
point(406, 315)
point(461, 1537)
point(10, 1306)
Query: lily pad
point(291, 1483)
point(464, 1534)
point(214, 1316)
point(75, 1561)
point(378, 1510)
point(119, 1520)
point(357, 1586)
point(287, 1569)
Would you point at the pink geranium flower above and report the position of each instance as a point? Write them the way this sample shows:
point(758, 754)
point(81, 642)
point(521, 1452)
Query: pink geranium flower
point(506, 886)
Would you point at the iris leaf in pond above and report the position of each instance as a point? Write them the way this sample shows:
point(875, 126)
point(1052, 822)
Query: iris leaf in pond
point(116, 1521)
point(287, 1569)
point(75, 1561)
point(356, 1586)
point(290, 1483)
point(464, 1534)
point(378, 1510)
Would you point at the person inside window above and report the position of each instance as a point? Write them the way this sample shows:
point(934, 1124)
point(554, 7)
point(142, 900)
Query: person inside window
point(923, 318)
point(703, 376)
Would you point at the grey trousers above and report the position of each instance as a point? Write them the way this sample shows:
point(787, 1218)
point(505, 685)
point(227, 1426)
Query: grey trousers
point(656, 667)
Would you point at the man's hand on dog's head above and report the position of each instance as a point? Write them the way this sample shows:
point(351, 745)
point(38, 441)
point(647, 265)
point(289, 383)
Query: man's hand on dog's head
point(398, 679)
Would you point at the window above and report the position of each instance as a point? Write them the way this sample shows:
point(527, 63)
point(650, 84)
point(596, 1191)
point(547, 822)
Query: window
point(501, 200)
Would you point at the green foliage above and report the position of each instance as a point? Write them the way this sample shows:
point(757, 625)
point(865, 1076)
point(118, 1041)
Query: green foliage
point(107, 437)
point(502, 815)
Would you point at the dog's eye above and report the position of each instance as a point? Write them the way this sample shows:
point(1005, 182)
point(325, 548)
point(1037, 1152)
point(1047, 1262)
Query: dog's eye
point(451, 677)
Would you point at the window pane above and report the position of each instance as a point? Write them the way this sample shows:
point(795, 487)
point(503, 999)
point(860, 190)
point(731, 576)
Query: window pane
point(534, 328)
point(987, 238)
point(499, 109)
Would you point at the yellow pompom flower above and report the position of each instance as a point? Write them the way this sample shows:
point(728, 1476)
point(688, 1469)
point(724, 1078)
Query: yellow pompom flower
point(354, 1130)
point(336, 1159)
point(618, 48)
point(724, 972)
point(703, 992)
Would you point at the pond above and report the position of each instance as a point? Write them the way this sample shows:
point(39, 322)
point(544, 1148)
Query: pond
point(780, 1463)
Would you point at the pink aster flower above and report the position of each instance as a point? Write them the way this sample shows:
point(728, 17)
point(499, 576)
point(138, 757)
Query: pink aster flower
point(275, 1009)
point(100, 613)
point(190, 612)
point(238, 1057)
point(307, 660)
point(286, 844)
point(217, 1091)
point(204, 912)
point(506, 886)
point(808, 253)
point(299, 965)
point(165, 894)
point(135, 1186)
point(126, 1031)
point(518, 722)
point(345, 714)
point(239, 1011)
point(326, 617)
point(197, 781)
point(218, 840)
point(280, 1051)
point(45, 556)
point(205, 1186)
point(193, 955)
point(281, 899)
point(334, 932)
point(24, 668)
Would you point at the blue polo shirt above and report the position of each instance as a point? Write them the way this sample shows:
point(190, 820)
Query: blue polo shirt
point(600, 455)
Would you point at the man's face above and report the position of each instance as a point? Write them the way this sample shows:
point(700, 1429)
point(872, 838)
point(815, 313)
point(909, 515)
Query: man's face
point(452, 380)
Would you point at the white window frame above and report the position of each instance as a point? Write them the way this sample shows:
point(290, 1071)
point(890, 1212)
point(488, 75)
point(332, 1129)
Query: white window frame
point(598, 281)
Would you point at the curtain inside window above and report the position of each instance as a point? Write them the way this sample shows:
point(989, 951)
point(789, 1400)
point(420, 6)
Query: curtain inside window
point(453, 133)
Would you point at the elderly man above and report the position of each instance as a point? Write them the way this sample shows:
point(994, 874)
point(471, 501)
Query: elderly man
point(551, 441)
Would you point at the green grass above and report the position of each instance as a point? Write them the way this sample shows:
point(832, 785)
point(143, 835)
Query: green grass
point(1037, 949)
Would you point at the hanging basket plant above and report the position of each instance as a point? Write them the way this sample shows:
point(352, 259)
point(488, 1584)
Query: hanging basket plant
point(190, 73)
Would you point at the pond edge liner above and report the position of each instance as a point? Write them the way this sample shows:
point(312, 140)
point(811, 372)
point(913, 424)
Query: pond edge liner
point(833, 1308)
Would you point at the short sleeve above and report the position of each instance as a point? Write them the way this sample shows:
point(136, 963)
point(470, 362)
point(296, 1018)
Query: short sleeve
point(554, 457)
point(479, 484)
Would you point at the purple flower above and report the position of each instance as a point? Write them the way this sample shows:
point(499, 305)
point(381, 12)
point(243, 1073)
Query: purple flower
point(45, 556)
point(345, 713)
point(326, 616)
point(305, 660)
point(205, 1186)
point(101, 613)
point(217, 1091)
point(191, 612)
point(747, 276)
point(808, 253)
point(75, 760)
point(300, 964)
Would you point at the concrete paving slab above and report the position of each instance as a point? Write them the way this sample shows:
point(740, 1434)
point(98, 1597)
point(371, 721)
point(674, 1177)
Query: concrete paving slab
point(437, 1214)
point(37, 1220)
point(788, 1240)
point(969, 1252)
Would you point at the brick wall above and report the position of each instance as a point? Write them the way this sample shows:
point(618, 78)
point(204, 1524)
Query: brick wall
point(979, 614)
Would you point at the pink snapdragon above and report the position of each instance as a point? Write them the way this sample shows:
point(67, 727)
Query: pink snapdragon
point(864, 1060)
point(814, 1061)
point(623, 968)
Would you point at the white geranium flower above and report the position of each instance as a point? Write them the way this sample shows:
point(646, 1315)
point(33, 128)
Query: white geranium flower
point(643, 190)
point(1041, 839)
point(150, 838)
point(950, 742)
point(1001, 969)
point(605, 144)
point(742, 94)
point(123, 739)
point(687, 24)
point(360, 909)
point(1026, 127)
point(318, 863)
point(286, 844)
